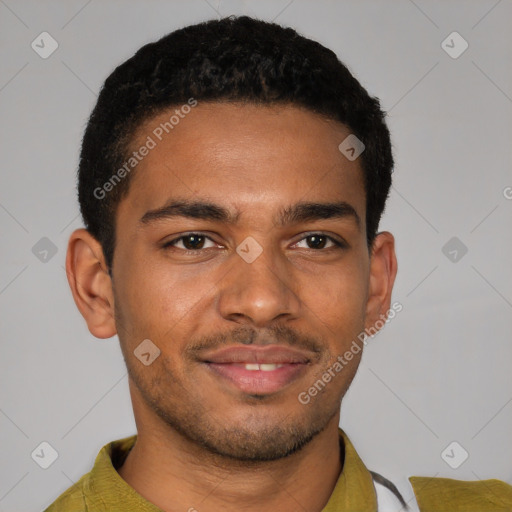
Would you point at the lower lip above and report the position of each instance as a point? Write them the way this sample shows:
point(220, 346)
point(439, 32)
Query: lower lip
point(258, 381)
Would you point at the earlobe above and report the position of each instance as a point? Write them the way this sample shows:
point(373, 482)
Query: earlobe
point(90, 283)
point(383, 269)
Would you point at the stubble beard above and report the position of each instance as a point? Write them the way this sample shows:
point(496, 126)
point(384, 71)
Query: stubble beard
point(256, 439)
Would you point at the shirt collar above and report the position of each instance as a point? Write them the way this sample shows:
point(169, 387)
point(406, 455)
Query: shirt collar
point(106, 486)
point(354, 488)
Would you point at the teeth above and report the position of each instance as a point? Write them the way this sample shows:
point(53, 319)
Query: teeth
point(263, 367)
point(268, 367)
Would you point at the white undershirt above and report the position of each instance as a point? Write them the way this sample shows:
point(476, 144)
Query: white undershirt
point(388, 502)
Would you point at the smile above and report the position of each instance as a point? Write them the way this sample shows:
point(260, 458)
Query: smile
point(257, 378)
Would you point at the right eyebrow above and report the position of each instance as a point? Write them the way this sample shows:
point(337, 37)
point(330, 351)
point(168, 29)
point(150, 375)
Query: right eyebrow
point(192, 209)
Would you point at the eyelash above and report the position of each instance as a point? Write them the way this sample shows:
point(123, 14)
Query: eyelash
point(338, 244)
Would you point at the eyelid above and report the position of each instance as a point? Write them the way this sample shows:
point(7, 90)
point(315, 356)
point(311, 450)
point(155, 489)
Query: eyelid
point(338, 242)
point(171, 243)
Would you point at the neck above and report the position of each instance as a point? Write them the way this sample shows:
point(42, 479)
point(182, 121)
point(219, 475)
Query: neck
point(176, 474)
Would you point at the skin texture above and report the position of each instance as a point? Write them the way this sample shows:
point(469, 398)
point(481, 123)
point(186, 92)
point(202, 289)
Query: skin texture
point(202, 442)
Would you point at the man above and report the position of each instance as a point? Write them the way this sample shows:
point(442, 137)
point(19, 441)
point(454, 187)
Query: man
point(231, 180)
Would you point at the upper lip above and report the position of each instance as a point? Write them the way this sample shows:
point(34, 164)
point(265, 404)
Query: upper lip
point(269, 354)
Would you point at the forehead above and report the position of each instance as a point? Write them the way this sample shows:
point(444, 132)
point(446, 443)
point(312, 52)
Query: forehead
point(255, 158)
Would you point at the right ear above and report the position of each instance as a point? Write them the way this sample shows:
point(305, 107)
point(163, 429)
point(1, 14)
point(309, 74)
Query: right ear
point(90, 283)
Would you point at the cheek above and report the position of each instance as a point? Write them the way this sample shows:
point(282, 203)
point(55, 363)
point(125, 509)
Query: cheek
point(338, 296)
point(158, 299)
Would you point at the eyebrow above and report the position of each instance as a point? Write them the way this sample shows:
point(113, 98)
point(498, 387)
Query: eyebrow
point(294, 214)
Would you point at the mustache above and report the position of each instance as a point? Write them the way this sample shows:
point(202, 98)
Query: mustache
point(276, 335)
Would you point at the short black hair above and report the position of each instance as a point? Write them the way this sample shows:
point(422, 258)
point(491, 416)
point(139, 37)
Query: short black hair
point(230, 59)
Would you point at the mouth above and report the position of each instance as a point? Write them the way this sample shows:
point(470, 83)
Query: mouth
point(256, 369)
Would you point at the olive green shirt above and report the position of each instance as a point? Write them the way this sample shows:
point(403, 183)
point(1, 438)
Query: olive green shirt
point(103, 489)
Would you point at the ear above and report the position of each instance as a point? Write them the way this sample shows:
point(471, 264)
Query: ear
point(383, 268)
point(90, 283)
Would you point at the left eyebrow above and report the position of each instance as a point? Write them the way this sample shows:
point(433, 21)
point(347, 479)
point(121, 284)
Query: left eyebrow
point(307, 212)
point(294, 214)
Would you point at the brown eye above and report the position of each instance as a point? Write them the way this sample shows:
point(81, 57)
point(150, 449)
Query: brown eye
point(190, 242)
point(316, 241)
point(193, 241)
point(319, 241)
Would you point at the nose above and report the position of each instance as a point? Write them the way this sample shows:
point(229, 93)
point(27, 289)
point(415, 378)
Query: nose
point(259, 293)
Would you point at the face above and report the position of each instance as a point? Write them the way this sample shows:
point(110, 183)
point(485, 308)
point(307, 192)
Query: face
point(241, 254)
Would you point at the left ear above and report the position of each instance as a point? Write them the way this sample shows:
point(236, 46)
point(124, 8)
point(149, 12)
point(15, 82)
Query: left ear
point(383, 268)
point(90, 283)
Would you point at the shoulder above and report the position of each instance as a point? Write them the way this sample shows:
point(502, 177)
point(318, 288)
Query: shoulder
point(80, 497)
point(448, 495)
point(99, 487)
point(72, 499)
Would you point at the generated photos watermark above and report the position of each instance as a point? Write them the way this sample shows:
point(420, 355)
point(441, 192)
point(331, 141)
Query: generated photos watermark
point(151, 142)
point(344, 359)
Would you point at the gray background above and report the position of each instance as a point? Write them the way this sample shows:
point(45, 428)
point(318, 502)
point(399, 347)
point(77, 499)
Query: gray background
point(438, 373)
